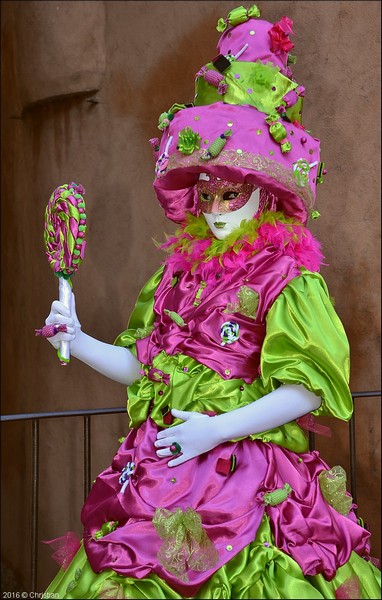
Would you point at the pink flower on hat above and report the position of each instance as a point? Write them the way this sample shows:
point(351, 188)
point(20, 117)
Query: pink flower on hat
point(279, 35)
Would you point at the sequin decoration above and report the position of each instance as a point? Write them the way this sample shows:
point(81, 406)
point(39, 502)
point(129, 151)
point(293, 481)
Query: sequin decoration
point(230, 196)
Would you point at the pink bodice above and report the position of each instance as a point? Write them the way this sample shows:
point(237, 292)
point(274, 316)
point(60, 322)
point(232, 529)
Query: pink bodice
point(192, 319)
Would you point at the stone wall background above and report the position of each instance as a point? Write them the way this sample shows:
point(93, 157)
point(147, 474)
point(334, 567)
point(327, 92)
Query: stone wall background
point(83, 84)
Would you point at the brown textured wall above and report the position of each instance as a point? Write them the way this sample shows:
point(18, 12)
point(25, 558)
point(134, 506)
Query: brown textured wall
point(138, 58)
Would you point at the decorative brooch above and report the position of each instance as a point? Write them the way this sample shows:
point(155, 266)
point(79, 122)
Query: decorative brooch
point(229, 332)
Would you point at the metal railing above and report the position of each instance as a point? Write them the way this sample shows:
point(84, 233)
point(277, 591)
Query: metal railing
point(86, 414)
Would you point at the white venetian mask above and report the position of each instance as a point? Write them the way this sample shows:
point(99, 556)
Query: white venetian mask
point(225, 204)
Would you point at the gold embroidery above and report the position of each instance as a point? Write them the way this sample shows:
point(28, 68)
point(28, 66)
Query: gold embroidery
point(247, 160)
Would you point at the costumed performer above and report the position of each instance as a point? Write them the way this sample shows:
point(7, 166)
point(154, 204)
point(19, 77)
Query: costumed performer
point(233, 341)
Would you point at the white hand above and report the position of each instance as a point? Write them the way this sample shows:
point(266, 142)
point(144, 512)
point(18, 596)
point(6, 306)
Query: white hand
point(112, 361)
point(61, 315)
point(198, 434)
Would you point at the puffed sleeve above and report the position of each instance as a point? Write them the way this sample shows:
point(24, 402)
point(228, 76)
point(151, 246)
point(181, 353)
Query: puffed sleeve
point(306, 343)
point(141, 320)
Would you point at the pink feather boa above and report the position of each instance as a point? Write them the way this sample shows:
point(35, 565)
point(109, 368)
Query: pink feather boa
point(195, 249)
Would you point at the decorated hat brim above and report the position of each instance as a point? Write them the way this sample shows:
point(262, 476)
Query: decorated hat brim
point(250, 154)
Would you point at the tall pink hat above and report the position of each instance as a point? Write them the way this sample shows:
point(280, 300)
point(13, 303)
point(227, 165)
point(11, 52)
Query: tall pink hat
point(245, 123)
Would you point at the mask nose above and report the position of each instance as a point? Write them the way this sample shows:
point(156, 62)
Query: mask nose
point(215, 206)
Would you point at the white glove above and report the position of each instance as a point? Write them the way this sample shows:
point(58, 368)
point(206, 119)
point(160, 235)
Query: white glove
point(114, 362)
point(200, 433)
point(61, 315)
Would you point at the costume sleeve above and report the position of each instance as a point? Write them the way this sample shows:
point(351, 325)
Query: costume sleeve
point(306, 343)
point(142, 318)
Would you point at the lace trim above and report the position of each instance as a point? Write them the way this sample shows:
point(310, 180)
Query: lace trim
point(246, 304)
point(186, 544)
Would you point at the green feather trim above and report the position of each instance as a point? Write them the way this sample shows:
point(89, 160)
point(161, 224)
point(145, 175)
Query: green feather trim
point(246, 233)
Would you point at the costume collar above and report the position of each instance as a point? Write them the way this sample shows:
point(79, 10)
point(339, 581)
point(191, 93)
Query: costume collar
point(194, 245)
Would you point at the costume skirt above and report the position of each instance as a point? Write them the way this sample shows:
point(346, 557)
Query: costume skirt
point(247, 520)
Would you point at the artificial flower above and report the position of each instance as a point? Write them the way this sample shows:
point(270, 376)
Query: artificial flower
point(188, 141)
point(279, 35)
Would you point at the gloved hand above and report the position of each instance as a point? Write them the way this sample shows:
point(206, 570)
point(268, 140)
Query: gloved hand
point(114, 362)
point(200, 433)
point(61, 315)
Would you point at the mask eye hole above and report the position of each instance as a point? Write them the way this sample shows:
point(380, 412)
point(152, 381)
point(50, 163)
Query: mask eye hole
point(206, 197)
point(230, 195)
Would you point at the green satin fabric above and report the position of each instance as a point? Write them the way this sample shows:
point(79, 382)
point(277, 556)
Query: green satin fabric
point(306, 343)
point(200, 389)
point(258, 78)
point(142, 316)
point(296, 350)
point(257, 571)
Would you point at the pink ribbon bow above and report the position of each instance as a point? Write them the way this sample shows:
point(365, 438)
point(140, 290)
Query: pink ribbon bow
point(279, 35)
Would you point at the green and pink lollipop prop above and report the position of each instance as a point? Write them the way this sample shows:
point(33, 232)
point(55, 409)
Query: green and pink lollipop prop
point(64, 236)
